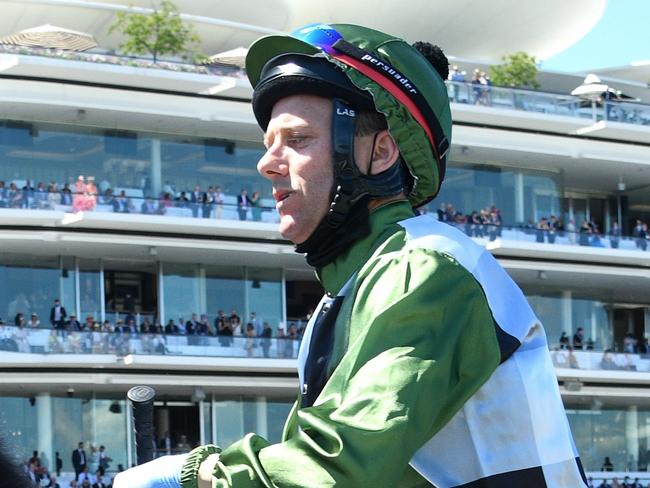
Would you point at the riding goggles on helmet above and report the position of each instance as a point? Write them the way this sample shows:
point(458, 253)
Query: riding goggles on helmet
point(328, 40)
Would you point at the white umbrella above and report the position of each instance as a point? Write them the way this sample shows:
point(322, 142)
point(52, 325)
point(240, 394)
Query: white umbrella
point(597, 92)
point(50, 36)
point(233, 57)
point(592, 88)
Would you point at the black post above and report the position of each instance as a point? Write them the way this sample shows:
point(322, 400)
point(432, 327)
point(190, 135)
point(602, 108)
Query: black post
point(141, 398)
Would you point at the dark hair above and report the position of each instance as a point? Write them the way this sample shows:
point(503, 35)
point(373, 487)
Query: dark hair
point(11, 475)
point(369, 122)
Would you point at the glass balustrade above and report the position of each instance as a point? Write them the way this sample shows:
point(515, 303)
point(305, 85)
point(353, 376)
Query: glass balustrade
point(122, 343)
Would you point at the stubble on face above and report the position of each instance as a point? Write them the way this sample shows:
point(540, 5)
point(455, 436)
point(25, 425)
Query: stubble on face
point(298, 162)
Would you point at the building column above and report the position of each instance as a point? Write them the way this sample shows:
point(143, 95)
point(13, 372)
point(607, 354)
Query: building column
point(45, 428)
point(607, 225)
point(156, 169)
point(566, 312)
point(519, 198)
point(262, 421)
point(632, 437)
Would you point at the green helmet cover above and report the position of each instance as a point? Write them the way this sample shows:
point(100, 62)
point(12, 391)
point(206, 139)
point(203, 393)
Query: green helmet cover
point(412, 140)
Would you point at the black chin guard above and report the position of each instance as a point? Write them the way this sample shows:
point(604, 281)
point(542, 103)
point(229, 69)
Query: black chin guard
point(350, 185)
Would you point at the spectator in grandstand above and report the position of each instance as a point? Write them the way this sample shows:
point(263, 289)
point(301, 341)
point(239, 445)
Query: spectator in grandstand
point(442, 213)
point(107, 198)
point(182, 201)
point(457, 77)
point(40, 196)
point(607, 465)
point(564, 340)
point(90, 196)
point(78, 201)
point(3, 195)
point(166, 201)
point(217, 200)
point(88, 323)
point(53, 195)
point(637, 233)
point(192, 325)
point(14, 196)
point(578, 339)
point(595, 240)
point(542, 230)
point(123, 204)
point(571, 231)
point(19, 320)
point(33, 322)
point(572, 359)
point(630, 343)
point(171, 328)
point(223, 328)
point(267, 333)
point(554, 228)
point(66, 195)
point(243, 203)
point(79, 459)
point(584, 233)
point(130, 326)
point(614, 235)
point(257, 324)
point(100, 480)
point(495, 222)
point(196, 200)
point(250, 342)
point(206, 203)
point(236, 323)
point(85, 476)
point(149, 206)
point(204, 329)
point(607, 363)
point(27, 194)
point(73, 324)
point(58, 315)
point(256, 206)
point(58, 463)
point(146, 327)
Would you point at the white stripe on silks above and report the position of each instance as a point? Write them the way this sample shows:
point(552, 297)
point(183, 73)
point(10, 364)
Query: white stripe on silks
point(507, 303)
point(516, 420)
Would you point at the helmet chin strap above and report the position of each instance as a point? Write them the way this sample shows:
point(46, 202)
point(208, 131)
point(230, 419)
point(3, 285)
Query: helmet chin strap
point(347, 218)
point(350, 184)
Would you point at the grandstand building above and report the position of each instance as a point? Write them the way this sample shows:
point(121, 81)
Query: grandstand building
point(119, 185)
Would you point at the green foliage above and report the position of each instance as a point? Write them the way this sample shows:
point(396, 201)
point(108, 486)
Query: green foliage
point(518, 70)
point(158, 33)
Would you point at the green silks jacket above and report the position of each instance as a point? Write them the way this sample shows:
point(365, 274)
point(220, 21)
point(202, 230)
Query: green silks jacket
point(414, 339)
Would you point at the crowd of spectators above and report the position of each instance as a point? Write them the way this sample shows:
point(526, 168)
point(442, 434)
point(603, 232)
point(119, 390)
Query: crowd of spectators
point(90, 468)
point(484, 223)
point(480, 91)
point(68, 334)
point(488, 222)
point(564, 357)
point(86, 195)
point(209, 203)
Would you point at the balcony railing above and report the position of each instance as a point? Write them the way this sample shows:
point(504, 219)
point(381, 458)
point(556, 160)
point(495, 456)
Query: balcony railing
point(265, 211)
point(51, 341)
point(459, 92)
point(548, 103)
point(135, 203)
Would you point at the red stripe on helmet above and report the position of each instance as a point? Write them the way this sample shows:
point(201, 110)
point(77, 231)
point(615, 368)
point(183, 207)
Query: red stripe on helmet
point(395, 91)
